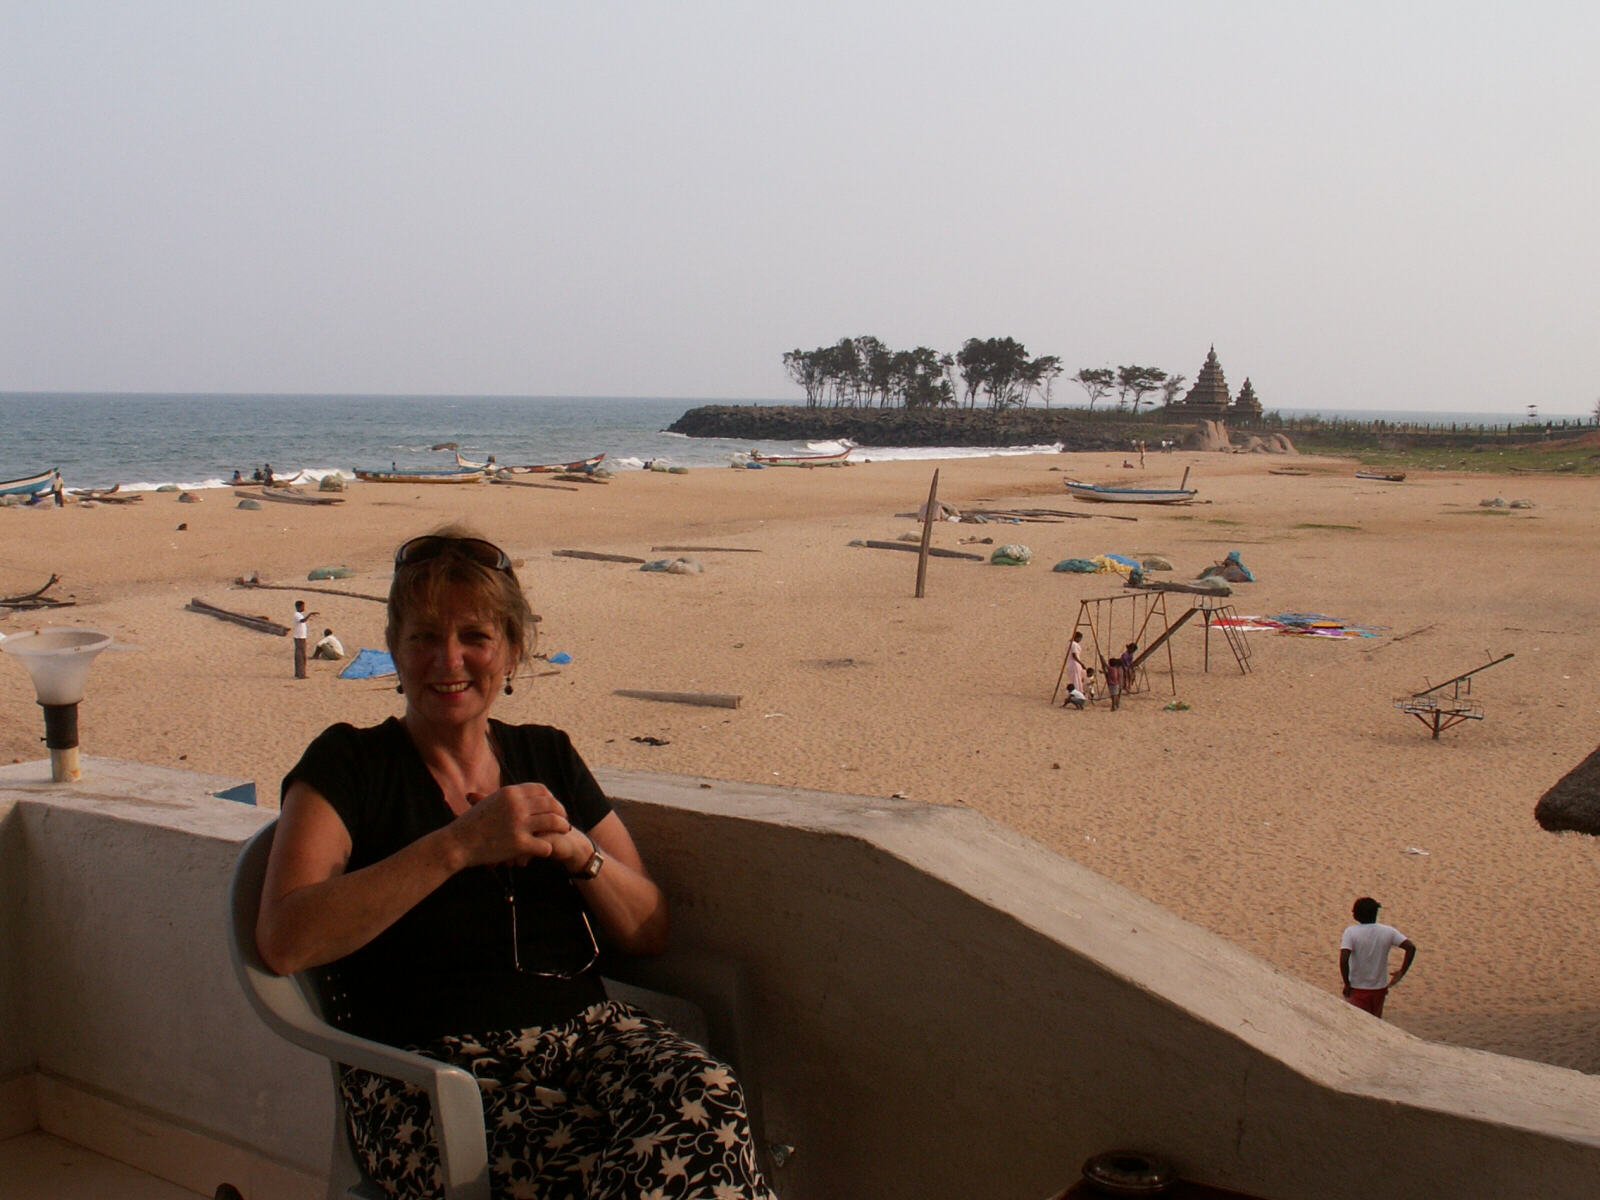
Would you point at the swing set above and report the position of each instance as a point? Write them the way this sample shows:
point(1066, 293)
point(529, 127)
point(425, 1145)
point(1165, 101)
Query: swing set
point(1142, 614)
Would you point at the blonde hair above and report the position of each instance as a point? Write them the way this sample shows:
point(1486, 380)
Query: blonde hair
point(418, 587)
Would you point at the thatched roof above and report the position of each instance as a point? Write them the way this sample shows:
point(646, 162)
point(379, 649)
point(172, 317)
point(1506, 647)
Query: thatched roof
point(1573, 802)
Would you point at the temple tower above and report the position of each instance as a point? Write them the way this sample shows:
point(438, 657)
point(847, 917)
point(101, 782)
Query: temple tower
point(1246, 406)
point(1209, 395)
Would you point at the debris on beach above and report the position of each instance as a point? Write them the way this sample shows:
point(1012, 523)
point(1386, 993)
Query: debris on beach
point(37, 597)
point(704, 699)
point(935, 551)
point(254, 580)
point(650, 740)
point(249, 621)
point(338, 572)
point(596, 556)
point(675, 566)
point(1012, 554)
point(1231, 569)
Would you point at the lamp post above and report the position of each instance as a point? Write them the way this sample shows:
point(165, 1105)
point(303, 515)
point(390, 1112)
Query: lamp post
point(58, 660)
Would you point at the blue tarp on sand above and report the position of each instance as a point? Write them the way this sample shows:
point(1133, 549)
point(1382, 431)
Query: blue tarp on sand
point(369, 664)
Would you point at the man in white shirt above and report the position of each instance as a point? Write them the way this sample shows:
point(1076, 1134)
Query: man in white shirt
point(328, 646)
point(301, 616)
point(1364, 957)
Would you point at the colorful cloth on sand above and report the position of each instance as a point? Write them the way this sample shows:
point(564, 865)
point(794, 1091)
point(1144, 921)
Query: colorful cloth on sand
point(1302, 625)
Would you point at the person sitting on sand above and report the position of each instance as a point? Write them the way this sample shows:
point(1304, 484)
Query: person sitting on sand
point(460, 873)
point(328, 646)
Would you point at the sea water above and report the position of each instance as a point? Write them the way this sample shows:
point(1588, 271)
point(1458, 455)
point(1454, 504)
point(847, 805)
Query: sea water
point(143, 441)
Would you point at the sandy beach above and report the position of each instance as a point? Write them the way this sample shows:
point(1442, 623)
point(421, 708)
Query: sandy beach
point(1259, 812)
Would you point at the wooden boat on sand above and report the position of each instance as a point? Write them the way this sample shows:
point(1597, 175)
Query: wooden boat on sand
point(581, 466)
point(422, 475)
point(1131, 495)
point(288, 496)
point(802, 460)
point(1386, 477)
point(31, 485)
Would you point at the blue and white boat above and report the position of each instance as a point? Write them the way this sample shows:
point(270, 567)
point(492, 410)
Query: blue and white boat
point(1130, 495)
point(31, 485)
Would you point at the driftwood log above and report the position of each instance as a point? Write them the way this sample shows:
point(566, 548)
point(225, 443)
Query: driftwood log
point(250, 581)
point(37, 597)
point(705, 699)
point(554, 487)
point(704, 549)
point(259, 624)
point(914, 549)
point(596, 556)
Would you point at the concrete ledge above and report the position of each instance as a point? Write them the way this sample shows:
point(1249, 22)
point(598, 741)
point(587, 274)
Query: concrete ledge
point(934, 1004)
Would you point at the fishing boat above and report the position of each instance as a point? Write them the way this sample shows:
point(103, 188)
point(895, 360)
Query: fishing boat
point(422, 475)
point(287, 495)
point(31, 485)
point(581, 466)
point(1132, 495)
point(802, 460)
point(1387, 478)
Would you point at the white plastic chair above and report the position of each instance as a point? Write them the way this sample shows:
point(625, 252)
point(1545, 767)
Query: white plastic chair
point(290, 1005)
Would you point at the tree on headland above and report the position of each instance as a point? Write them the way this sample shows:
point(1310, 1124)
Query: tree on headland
point(1171, 387)
point(863, 371)
point(1135, 383)
point(921, 378)
point(805, 368)
point(999, 367)
point(1042, 375)
point(1097, 382)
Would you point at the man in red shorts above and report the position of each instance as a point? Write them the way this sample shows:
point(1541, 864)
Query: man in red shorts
point(1364, 957)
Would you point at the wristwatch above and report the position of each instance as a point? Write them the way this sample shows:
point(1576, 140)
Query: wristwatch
point(591, 868)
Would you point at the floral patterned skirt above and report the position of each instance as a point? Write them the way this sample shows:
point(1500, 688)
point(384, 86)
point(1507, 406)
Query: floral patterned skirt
point(610, 1105)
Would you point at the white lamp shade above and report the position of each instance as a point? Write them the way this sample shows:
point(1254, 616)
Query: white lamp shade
point(57, 659)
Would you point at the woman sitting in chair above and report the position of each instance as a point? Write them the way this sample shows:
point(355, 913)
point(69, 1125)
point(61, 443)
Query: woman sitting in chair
point(454, 873)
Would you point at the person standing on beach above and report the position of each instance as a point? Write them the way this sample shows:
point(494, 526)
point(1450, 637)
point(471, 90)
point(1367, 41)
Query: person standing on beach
point(1076, 678)
point(301, 616)
point(1119, 674)
point(1364, 957)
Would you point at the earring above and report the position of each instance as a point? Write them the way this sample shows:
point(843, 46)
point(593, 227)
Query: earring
point(401, 688)
point(508, 685)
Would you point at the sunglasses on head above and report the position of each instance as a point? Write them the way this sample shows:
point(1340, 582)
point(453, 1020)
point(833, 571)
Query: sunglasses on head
point(431, 545)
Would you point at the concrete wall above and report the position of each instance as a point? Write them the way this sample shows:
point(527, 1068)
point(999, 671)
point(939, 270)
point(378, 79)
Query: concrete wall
point(933, 1006)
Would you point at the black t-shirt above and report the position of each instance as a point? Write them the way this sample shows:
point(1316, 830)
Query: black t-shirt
point(447, 965)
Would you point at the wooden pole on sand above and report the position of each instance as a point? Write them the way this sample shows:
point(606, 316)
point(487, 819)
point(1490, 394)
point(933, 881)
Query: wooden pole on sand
point(927, 534)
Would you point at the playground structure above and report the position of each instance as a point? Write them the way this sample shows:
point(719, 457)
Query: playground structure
point(1143, 615)
point(1439, 713)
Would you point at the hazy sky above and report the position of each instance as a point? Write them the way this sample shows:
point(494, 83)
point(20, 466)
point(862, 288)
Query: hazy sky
point(1364, 205)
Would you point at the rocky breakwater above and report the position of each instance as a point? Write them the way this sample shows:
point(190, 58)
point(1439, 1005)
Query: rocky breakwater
point(1075, 429)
